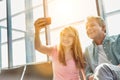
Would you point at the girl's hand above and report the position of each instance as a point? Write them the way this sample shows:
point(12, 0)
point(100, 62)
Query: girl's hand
point(41, 23)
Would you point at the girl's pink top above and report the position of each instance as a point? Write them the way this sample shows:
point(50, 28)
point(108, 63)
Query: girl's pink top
point(61, 72)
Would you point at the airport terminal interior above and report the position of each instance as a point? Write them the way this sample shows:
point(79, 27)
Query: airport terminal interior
point(18, 58)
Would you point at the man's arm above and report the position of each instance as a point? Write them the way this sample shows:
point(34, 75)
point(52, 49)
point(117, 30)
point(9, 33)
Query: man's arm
point(88, 69)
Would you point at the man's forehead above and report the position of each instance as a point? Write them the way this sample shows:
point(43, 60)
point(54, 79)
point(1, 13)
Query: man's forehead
point(91, 22)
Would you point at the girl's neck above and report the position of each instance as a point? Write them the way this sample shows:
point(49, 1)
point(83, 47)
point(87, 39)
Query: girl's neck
point(68, 54)
point(67, 50)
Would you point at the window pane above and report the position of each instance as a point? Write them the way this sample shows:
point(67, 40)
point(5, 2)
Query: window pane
point(3, 35)
point(19, 51)
point(37, 13)
point(4, 47)
point(111, 5)
point(17, 35)
point(18, 14)
point(3, 13)
point(4, 55)
point(113, 24)
point(18, 22)
point(17, 6)
point(69, 11)
point(37, 2)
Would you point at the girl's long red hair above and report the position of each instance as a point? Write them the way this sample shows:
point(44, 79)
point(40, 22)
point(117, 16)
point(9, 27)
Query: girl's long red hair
point(76, 48)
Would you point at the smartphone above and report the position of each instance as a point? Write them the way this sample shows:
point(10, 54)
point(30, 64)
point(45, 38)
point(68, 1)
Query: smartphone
point(48, 20)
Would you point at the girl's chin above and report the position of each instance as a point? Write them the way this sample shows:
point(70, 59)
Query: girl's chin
point(66, 44)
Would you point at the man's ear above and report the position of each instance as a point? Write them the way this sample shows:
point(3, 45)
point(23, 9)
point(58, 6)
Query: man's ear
point(104, 29)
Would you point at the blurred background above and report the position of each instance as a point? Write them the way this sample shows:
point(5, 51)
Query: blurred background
point(17, 25)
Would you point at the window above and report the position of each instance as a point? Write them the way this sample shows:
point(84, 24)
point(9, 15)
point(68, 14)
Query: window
point(112, 15)
point(23, 15)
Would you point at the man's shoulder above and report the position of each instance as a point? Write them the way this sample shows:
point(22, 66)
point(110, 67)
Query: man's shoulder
point(113, 37)
point(91, 45)
point(89, 48)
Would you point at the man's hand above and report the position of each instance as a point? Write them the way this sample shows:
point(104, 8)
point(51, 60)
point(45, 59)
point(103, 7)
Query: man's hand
point(91, 77)
point(119, 65)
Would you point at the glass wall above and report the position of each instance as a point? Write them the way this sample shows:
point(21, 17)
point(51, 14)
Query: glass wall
point(112, 15)
point(68, 12)
point(23, 15)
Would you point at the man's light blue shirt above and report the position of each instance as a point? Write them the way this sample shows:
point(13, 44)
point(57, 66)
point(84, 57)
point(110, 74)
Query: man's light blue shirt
point(111, 46)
